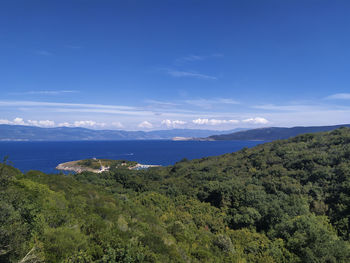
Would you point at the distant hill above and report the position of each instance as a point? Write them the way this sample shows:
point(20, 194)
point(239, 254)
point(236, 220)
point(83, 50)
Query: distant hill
point(30, 133)
point(272, 133)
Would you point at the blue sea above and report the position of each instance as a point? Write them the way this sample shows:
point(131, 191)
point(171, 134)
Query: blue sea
point(45, 156)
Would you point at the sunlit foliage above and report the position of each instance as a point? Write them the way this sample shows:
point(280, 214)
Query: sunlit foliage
point(285, 201)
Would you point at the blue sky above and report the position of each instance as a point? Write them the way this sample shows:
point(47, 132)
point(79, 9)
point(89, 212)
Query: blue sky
point(143, 65)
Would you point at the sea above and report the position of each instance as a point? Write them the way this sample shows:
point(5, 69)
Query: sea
point(45, 156)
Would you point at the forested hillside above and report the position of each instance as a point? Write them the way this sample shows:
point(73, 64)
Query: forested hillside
point(272, 133)
point(285, 201)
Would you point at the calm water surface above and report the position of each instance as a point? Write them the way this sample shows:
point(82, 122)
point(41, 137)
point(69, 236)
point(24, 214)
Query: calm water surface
point(45, 156)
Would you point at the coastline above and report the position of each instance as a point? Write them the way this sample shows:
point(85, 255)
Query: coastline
point(77, 167)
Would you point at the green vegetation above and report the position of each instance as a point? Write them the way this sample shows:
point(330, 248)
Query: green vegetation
point(97, 163)
point(285, 201)
point(272, 133)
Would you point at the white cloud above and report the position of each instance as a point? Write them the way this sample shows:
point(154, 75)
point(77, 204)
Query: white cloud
point(65, 124)
point(100, 109)
point(89, 124)
point(191, 58)
point(44, 92)
point(138, 113)
point(184, 74)
point(3, 121)
point(145, 125)
point(168, 123)
point(296, 108)
point(200, 121)
point(64, 114)
point(44, 123)
point(84, 124)
point(256, 120)
point(117, 124)
point(218, 122)
point(173, 124)
point(77, 107)
point(18, 121)
point(161, 104)
point(21, 121)
point(60, 104)
point(339, 96)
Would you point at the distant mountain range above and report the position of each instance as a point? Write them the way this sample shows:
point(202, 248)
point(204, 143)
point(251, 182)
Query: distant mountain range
point(271, 133)
point(31, 133)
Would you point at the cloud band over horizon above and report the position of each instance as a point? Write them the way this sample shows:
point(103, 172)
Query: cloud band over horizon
point(200, 113)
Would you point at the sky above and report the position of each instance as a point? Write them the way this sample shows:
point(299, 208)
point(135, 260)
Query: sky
point(149, 64)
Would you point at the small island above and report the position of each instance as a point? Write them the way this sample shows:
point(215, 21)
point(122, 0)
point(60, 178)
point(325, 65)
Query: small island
point(101, 165)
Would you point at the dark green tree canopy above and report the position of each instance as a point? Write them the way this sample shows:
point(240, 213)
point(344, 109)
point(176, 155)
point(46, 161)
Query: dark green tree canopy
point(285, 201)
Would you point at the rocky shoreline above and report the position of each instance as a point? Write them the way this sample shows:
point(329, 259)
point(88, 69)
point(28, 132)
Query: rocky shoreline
point(73, 166)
